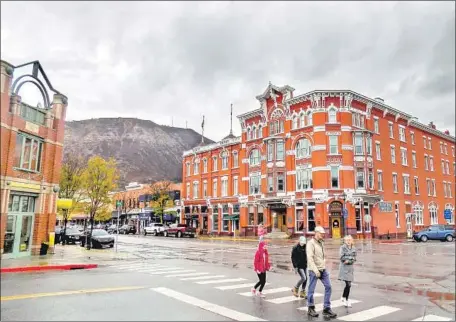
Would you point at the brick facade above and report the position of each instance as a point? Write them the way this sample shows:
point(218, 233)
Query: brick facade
point(319, 153)
point(42, 183)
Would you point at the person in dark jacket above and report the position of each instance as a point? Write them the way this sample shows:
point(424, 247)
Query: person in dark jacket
point(299, 260)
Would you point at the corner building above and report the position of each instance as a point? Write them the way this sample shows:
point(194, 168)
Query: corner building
point(31, 158)
point(338, 159)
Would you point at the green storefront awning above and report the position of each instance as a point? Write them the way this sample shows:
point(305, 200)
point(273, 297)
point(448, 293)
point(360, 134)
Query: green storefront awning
point(232, 217)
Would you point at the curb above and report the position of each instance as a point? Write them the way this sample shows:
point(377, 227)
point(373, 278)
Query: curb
point(228, 238)
point(65, 267)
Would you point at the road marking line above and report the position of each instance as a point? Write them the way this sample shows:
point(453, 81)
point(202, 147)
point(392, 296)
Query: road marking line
point(233, 287)
point(137, 269)
point(186, 275)
point(180, 270)
point(200, 278)
point(133, 268)
point(369, 314)
point(161, 269)
point(286, 299)
point(269, 291)
point(222, 281)
point(337, 303)
point(100, 290)
point(214, 308)
point(432, 317)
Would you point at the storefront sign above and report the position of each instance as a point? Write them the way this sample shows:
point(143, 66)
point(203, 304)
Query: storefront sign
point(25, 185)
point(447, 214)
point(335, 206)
point(385, 206)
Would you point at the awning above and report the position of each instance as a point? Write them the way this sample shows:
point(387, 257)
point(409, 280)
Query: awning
point(232, 217)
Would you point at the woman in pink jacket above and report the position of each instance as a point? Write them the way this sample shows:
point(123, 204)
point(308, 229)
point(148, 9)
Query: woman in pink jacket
point(261, 265)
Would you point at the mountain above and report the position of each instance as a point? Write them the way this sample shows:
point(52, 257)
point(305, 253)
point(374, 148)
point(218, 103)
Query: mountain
point(144, 150)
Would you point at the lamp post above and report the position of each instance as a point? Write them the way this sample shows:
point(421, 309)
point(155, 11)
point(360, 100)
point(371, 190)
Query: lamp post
point(344, 212)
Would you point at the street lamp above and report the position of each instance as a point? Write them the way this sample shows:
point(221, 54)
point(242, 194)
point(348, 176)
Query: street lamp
point(344, 212)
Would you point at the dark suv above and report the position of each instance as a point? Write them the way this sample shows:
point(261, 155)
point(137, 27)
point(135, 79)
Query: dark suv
point(127, 229)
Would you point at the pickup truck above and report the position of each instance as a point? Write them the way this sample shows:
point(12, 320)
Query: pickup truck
point(154, 229)
point(179, 231)
point(435, 232)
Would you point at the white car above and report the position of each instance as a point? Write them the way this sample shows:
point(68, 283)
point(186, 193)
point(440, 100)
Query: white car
point(155, 229)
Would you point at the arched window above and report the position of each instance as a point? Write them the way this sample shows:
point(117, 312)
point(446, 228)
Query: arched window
point(302, 120)
point(224, 160)
point(249, 134)
point(332, 115)
point(309, 117)
point(255, 157)
point(260, 132)
point(254, 132)
point(235, 159)
point(433, 213)
point(295, 122)
point(418, 212)
point(196, 167)
point(302, 148)
point(204, 165)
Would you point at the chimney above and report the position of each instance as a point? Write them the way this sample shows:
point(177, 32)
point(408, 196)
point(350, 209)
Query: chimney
point(447, 132)
point(380, 99)
point(432, 125)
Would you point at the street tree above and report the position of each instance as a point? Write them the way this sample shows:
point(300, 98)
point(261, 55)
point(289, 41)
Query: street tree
point(160, 196)
point(99, 178)
point(104, 213)
point(70, 184)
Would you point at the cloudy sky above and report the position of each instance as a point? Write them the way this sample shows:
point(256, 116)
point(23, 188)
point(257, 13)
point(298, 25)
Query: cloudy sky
point(175, 60)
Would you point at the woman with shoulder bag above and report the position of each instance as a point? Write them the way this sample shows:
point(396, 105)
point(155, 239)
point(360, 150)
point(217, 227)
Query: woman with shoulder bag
point(346, 270)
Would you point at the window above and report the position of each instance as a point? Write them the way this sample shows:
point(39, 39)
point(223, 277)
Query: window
point(402, 133)
point(270, 182)
point(369, 145)
point(299, 220)
point(28, 153)
point(404, 156)
point(280, 152)
point(235, 186)
point(414, 159)
point(332, 115)
point(309, 117)
point(391, 130)
point(32, 114)
point(255, 181)
point(294, 124)
point(441, 147)
point(358, 120)
point(443, 166)
point(378, 152)
point(395, 189)
point(446, 149)
point(254, 132)
point(370, 178)
point(311, 217)
point(359, 144)
point(204, 165)
point(412, 138)
point(214, 163)
point(215, 218)
point(214, 188)
point(426, 162)
point(433, 187)
point(224, 160)
point(367, 225)
point(360, 178)
point(303, 179)
point(429, 187)
point(270, 150)
point(280, 182)
point(393, 154)
point(224, 187)
point(235, 159)
point(302, 149)
point(433, 214)
point(195, 190)
point(187, 192)
point(376, 127)
point(424, 142)
point(418, 211)
point(429, 143)
point(417, 185)
point(195, 167)
point(275, 127)
point(333, 144)
point(445, 189)
point(187, 168)
point(452, 150)
point(302, 120)
point(406, 181)
point(204, 189)
point(396, 212)
point(260, 215)
point(454, 168)
point(334, 177)
point(431, 163)
point(359, 227)
point(447, 167)
point(254, 157)
point(225, 222)
point(251, 221)
point(380, 181)
point(260, 132)
point(249, 134)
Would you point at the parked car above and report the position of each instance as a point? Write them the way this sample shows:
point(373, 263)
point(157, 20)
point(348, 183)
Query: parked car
point(436, 232)
point(98, 238)
point(127, 229)
point(180, 230)
point(72, 235)
point(155, 229)
point(112, 229)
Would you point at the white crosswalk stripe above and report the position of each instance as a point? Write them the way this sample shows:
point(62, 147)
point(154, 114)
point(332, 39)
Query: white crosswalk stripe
point(285, 299)
point(432, 317)
point(145, 268)
point(236, 286)
point(222, 281)
point(153, 269)
point(369, 314)
point(269, 291)
point(200, 277)
point(171, 270)
point(334, 304)
point(187, 275)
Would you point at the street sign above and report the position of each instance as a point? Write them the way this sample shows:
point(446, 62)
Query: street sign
point(345, 213)
point(367, 218)
point(385, 206)
point(447, 214)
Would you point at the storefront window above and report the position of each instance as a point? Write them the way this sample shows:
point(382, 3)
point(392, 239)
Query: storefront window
point(299, 220)
point(225, 213)
point(215, 218)
point(358, 220)
point(260, 215)
point(311, 217)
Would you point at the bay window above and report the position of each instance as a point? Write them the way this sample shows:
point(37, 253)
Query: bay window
point(280, 150)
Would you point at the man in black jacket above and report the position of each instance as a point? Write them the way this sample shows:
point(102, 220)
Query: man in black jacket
point(299, 260)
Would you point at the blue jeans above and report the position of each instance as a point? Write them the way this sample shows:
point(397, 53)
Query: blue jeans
point(313, 283)
point(303, 280)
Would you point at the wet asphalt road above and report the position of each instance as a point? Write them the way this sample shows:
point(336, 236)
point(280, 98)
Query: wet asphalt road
point(388, 277)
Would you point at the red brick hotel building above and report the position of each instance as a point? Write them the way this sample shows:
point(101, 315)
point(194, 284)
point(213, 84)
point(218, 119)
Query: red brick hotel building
point(350, 163)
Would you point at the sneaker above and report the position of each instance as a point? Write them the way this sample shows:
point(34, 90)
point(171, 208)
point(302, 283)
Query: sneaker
point(344, 301)
point(348, 303)
point(259, 294)
point(311, 312)
point(303, 294)
point(294, 290)
point(253, 291)
point(329, 313)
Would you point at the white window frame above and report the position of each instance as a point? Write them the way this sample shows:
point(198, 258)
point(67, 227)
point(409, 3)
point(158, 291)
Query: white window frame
point(195, 190)
point(441, 147)
point(294, 123)
point(395, 183)
point(336, 146)
point(442, 164)
point(378, 151)
point(412, 137)
point(235, 186)
point(434, 187)
point(254, 160)
point(225, 161)
point(303, 179)
point(397, 214)
point(302, 119)
point(429, 143)
point(358, 144)
point(280, 157)
point(450, 206)
point(284, 177)
point(370, 179)
point(187, 193)
point(309, 117)
point(402, 134)
point(334, 170)
point(445, 189)
point(433, 214)
point(404, 159)
point(450, 190)
point(360, 171)
point(224, 187)
point(419, 215)
point(252, 183)
point(426, 162)
point(270, 182)
point(414, 164)
point(406, 183)
point(270, 150)
point(393, 154)
point(332, 115)
point(416, 182)
point(214, 163)
point(196, 167)
point(391, 129)
point(369, 145)
point(380, 180)
point(235, 159)
point(214, 188)
point(431, 163)
point(204, 189)
point(309, 208)
point(303, 151)
point(367, 225)
point(376, 125)
point(204, 165)
point(187, 169)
